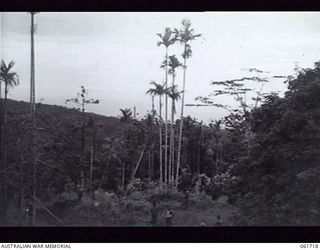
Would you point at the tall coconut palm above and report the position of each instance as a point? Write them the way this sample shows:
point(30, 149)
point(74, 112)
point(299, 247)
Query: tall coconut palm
point(10, 79)
point(173, 64)
point(185, 36)
point(159, 90)
point(168, 38)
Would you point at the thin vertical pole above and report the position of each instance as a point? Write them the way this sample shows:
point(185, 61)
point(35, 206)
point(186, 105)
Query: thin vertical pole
point(152, 142)
point(181, 115)
point(160, 142)
point(33, 114)
point(82, 173)
point(32, 55)
point(166, 126)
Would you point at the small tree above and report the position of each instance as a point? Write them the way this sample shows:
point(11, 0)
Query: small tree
point(82, 100)
point(126, 115)
point(238, 89)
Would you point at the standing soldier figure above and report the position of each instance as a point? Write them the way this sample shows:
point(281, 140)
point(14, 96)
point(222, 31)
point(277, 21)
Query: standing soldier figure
point(154, 214)
point(218, 221)
point(169, 216)
point(29, 212)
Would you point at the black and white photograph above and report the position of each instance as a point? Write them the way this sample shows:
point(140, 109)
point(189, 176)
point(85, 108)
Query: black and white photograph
point(159, 119)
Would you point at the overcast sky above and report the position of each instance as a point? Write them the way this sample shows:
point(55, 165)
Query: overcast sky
point(115, 55)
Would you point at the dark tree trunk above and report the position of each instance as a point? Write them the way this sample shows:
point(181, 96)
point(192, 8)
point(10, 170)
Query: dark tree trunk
point(82, 171)
point(152, 144)
point(4, 162)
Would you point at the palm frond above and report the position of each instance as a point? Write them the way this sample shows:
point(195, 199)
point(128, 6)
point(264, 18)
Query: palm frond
point(157, 90)
point(167, 38)
point(173, 64)
point(11, 79)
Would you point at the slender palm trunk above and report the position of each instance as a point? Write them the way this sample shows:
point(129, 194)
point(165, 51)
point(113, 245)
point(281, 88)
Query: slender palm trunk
point(172, 142)
point(171, 151)
point(5, 127)
point(34, 170)
point(160, 142)
point(170, 148)
point(5, 142)
point(166, 125)
point(32, 58)
point(82, 128)
point(33, 114)
point(152, 143)
point(181, 115)
point(82, 175)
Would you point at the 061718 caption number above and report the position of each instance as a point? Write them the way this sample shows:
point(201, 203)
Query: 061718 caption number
point(309, 245)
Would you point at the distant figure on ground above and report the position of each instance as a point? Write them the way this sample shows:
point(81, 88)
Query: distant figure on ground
point(80, 194)
point(92, 194)
point(169, 216)
point(154, 214)
point(186, 199)
point(218, 222)
point(28, 211)
point(203, 224)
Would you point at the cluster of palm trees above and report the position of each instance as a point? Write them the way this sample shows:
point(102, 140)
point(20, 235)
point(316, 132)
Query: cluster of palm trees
point(169, 172)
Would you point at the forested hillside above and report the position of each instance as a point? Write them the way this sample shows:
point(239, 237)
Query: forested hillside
point(117, 154)
point(277, 185)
